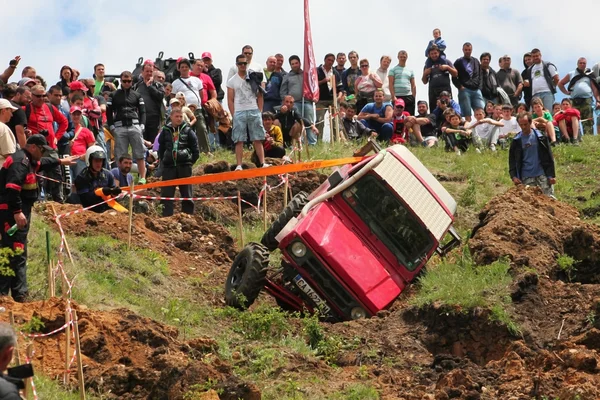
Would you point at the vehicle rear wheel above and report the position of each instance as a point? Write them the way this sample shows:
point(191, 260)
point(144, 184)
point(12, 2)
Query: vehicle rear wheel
point(247, 276)
point(293, 209)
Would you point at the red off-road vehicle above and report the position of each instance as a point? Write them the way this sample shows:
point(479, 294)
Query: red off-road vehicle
point(351, 247)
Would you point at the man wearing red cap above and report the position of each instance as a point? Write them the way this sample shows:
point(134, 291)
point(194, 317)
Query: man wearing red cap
point(214, 73)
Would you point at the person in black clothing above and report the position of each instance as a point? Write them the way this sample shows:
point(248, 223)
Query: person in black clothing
point(126, 118)
point(214, 73)
point(153, 93)
point(178, 151)
point(18, 191)
point(94, 177)
point(66, 77)
point(527, 62)
point(287, 116)
point(438, 75)
point(468, 81)
point(324, 73)
point(9, 387)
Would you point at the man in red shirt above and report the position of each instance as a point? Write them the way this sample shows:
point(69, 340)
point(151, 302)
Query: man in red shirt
point(41, 117)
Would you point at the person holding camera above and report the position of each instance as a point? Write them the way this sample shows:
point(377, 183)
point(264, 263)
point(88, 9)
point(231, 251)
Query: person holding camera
point(9, 387)
point(443, 103)
point(8, 72)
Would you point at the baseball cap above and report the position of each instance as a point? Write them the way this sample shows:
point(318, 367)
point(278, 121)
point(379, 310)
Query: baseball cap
point(399, 102)
point(174, 100)
point(76, 85)
point(206, 54)
point(25, 81)
point(445, 94)
point(6, 104)
point(39, 140)
point(75, 109)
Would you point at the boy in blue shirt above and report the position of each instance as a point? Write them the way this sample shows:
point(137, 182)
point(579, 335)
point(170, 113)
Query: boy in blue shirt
point(440, 43)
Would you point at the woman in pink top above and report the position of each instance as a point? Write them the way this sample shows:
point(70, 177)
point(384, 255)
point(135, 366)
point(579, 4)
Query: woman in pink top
point(82, 139)
point(365, 85)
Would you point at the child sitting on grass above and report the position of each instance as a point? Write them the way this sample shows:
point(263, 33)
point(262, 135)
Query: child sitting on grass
point(485, 131)
point(567, 120)
point(542, 120)
point(457, 137)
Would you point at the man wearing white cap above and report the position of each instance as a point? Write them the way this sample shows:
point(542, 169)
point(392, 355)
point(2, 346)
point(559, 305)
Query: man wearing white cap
point(8, 144)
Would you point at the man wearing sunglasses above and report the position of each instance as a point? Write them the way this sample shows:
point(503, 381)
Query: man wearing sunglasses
point(19, 190)
point(126, 117)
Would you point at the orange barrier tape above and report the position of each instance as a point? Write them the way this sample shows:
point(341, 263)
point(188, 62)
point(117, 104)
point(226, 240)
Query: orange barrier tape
point(250, 173)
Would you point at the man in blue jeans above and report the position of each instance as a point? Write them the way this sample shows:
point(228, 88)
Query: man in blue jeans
point(468, 82)
point(542, 77)
point(245, 101)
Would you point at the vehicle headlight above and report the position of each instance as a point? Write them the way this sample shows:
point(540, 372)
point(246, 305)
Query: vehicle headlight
point(298, 249)
point(358, 313)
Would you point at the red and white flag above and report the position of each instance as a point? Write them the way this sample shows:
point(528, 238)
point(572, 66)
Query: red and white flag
point(310, 89)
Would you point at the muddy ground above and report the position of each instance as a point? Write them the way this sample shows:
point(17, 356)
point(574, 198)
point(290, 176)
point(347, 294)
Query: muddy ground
point(406, 353)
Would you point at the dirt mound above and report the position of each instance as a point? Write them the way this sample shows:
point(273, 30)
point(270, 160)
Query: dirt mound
point(126, 356)
point(533, 230)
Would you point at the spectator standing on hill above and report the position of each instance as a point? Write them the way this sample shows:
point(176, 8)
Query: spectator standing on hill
point(383, 72)
point(366, 84)
point(18, 122)
point(153, 93)
point(8, 143)
point(402, 83)
point(530, 160)
point(510, 80)
point(468, 81)
point(349, 75)
point(292, 85)
point(527, 62)
point(341, 63)
point(438, 75)
point(542, 77)
point(214, 73)
point(583, 88)
point(279, 66)
point(324, 74)
point(248, 51)
point(273, 86)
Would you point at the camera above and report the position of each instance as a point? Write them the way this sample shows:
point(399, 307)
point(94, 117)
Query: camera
point(444, 102)
point(17, 374)
point(44, 132)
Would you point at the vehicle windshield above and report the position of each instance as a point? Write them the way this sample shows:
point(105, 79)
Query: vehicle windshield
point(389, 219)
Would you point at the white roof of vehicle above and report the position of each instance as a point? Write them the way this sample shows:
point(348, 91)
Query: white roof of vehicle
point(402, 177)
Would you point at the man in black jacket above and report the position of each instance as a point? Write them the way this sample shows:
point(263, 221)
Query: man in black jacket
point(324, 74)
point(153, 93)
point(214, 73)
point(467, 82)
point(126, 118)
point(18, 192)
point(530, 160)
point(178, 151)
point(8, 341)
point(95, 177)
point(287, 116)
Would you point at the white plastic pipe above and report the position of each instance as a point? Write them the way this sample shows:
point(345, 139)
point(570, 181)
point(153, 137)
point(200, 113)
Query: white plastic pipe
point(370, 165)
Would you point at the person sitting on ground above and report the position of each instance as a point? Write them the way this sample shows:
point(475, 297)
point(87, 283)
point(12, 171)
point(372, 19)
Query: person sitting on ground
point(457, 137)
point(567, 120)
point(521, 108)
point(378, 116)
point(427, 123)
point(555, 108)
point(287, 116)
point(122, 172)
point(353, 128)
point(177, 151)
point(153, 163)
point(485, 131)
point(497, 113)
point(94, 183)
point(403, 123)
point(530, 160)
point(489, 109)
point(542, 119)
point(510, 126)
point(273, 143)
point(445, 101)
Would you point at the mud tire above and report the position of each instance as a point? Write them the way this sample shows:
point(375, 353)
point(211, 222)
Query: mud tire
point(247, 276)
point(293, 209)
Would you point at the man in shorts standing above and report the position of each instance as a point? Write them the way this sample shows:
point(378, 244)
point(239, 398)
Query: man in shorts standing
point(245, 101)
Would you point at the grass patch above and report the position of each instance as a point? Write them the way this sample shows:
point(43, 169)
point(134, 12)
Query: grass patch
point(357, 391)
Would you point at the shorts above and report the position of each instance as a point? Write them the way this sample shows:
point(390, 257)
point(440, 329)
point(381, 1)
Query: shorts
point(126, 136)
point(247, 124)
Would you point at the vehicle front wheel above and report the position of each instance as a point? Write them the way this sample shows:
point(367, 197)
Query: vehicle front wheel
point(247, 276)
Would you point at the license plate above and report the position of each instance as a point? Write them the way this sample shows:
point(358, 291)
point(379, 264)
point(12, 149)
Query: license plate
point(305, 287)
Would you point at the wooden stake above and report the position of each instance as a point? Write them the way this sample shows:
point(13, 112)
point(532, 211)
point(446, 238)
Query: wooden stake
point(285, 190)
point(240, 222)
point(265, 205)
point(28, 390)
point(51, 292)
point(78, 356)
point(66, 243)
point(67, 346)
point(11, 317)
point(331, 133)
point(130, 216)
point(334, 127)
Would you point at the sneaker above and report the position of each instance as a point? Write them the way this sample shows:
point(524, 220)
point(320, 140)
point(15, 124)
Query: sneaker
point(574, 142)
point(424, 143)
point(238, 168)
point(553, 144)
point(458, 153)
point(265, 165)
point(477, 150)
point(142, 181)
point(492, 147)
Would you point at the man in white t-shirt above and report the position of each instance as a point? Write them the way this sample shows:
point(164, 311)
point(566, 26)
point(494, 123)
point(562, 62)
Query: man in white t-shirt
point(8, 144)
point(542, 77)
point(189, 85)
point(485, 128)
point(382, 72)
point(245, 101)
point(248, 51)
